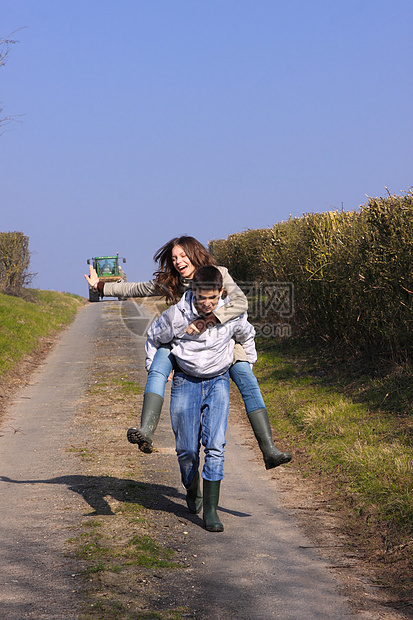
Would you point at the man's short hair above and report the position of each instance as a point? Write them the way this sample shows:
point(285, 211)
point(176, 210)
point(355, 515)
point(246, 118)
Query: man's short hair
point(207, 278)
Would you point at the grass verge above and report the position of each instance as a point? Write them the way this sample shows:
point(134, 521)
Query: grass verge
point(26, 320)
point(356, 434)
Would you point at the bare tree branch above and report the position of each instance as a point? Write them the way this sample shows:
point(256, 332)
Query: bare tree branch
point(5, 44)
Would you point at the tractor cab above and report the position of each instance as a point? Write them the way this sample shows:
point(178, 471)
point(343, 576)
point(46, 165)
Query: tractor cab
point(108, 270)
point(107, 266)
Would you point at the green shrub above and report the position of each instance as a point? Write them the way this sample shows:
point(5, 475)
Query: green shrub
point(352, 272)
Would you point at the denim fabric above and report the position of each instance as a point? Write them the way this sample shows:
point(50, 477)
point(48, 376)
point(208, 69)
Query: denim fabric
point(159, 371)
point(242, 375)
point(199, 413)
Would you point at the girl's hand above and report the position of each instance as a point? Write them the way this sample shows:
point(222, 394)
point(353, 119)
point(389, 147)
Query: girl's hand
point(171, 375)
point(93, 277)
point(200, 325)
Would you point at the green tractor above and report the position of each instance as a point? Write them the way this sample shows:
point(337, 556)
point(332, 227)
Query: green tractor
point(108, 270)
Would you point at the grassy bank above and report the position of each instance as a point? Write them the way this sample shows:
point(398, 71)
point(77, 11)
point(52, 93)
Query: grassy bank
point(354, 432)
point(26, 320)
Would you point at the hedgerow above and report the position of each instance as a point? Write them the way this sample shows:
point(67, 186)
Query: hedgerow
point(352, 272)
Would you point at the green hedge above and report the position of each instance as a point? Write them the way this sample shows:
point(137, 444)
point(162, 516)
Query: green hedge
point(352, 271)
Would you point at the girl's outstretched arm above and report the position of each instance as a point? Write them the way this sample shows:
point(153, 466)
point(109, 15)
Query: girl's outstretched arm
point(121, 289)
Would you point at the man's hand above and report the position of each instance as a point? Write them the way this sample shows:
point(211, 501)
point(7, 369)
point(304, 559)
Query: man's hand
point(93, 277)
point(200, 325)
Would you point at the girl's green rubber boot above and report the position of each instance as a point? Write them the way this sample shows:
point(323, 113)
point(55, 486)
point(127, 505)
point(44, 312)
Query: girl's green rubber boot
point(151, 412)
point(262, 431)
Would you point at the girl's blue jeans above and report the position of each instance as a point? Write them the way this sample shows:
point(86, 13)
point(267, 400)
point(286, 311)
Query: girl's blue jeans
point(199, 413)
point(240, 372)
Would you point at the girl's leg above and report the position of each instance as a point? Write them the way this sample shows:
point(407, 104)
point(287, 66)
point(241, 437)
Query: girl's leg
point(242, 375)
point(159, 371)
point(152, 400)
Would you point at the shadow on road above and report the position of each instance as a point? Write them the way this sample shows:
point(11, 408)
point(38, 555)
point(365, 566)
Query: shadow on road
point(95, 489)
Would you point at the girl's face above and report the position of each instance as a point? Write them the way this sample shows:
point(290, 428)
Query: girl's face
point(182, 263)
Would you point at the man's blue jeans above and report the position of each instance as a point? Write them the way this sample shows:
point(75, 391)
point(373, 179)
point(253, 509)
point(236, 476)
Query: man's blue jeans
point(240, 372)
point(199, 413)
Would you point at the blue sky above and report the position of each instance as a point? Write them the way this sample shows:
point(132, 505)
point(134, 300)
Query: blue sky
point(142, 120)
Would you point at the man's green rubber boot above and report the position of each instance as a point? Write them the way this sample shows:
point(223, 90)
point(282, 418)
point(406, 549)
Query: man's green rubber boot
point(151, 412)
point(262, 431)
point(194, 495)
point(211, 499)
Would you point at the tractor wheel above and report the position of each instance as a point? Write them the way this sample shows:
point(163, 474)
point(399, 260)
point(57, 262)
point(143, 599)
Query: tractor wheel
point(93, 295)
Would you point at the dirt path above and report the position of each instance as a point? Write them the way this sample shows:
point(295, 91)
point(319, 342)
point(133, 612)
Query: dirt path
point(280, 555)
point(37, 518)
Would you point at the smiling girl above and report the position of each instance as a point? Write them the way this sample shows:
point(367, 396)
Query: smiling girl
point(177, 262)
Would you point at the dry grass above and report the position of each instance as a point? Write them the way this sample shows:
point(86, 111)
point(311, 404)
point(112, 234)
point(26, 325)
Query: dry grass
point(361, 452)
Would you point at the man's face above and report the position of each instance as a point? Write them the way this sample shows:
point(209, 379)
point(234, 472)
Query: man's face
point(206, 301)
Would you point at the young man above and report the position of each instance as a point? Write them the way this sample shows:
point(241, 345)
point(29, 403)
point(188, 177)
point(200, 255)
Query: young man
point(201, 384)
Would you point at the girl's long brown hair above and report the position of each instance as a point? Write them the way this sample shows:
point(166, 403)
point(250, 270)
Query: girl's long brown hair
point(166, 276)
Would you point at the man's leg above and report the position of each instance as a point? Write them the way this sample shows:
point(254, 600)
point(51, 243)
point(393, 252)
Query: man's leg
point(186, 401)
point(215, 406)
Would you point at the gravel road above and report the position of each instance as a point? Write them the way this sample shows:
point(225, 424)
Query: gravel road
point(262, 566)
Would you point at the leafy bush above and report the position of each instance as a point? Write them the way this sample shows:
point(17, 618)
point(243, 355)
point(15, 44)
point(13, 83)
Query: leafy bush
point(352, 272)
